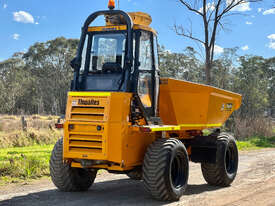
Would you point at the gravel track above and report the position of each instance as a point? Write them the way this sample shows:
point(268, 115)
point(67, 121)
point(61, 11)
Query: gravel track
point(254, 185)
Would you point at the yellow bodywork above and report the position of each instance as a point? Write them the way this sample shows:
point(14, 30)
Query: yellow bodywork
point(116, 142)
point(98, 127)
point(121, 28)
point(195, 106)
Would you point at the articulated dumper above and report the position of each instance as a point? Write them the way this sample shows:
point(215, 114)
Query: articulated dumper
point(122, 117)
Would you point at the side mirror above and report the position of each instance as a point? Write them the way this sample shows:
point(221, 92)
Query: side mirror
point(75, 63)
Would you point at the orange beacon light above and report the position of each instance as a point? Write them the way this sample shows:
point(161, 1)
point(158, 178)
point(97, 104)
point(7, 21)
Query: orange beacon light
point(111, 4)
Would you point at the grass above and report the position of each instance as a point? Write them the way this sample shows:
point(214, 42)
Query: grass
point(20, 164)
point(256, 143)
point(30, 137)
point(23, 163)
point(25, 155)
point(39, 131)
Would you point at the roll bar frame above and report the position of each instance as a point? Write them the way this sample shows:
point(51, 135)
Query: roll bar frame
point(76, 62)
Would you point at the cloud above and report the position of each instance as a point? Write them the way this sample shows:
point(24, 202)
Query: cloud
point(218, 49)
point(5, 6)
point(23, 17)
point(271, 44)
point(260, 10)
point(209, 7)
point(271, 37)
point(36, 23)
point(269, 11)
point(240, 8)
point(245, 48)
point(15, 36)
point(248, 22)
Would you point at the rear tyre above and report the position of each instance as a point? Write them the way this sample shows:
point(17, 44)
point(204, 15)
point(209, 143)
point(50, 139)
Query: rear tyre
point(65, 177)
point(166, 169)
point(135, 174)
point(224, 171)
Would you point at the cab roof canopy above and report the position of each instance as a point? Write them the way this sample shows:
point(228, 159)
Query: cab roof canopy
point(140, 20)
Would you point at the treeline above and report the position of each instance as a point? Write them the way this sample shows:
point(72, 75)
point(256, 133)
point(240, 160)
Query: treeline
point(36, 82)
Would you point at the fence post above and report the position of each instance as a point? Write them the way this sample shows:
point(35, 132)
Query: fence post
point(24, 124)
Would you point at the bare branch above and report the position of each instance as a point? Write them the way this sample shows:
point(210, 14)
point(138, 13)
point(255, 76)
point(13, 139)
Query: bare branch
point(233, 4)
point(214, 31)
point(221, 25)
point(213, 15)
point(182, 32)
point(210, 15)
point(188, 6)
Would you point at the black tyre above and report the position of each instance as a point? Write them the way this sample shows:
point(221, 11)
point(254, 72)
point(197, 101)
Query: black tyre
point(166, 169)
point(225, 170)
point(65, 177)
point(135, 174)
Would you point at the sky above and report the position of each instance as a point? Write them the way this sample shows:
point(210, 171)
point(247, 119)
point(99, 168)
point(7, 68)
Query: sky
point(24, 22)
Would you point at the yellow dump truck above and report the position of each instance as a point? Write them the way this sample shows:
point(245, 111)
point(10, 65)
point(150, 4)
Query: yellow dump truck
point(122, 117)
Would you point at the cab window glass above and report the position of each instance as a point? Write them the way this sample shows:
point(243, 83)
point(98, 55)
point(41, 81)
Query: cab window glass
point(107, 48)
point(83, 56)
point(145, 51)
point(156, 53)
point(144, 88)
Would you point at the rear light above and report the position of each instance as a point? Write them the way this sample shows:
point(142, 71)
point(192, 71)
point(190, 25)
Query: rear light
point(59, 126)
point(145, 129)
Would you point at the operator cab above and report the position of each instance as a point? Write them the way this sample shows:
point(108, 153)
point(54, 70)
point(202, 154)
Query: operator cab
point(103, 60)
point(121, 56)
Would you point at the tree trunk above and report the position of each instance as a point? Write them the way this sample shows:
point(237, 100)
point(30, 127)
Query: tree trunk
point(208, 66)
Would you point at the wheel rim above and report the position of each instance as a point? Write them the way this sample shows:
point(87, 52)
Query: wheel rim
point(178, 173)
point(230, 159)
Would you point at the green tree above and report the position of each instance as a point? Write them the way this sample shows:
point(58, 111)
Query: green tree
point(223, 69)
point(38, 81)
point(50, 64)
point(270, 71)
point(181, 65)
point(11, 88)
point(252, 82)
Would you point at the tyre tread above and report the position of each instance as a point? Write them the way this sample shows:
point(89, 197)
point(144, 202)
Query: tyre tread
point(214, 174)
point(63, 176)
point(154, 168)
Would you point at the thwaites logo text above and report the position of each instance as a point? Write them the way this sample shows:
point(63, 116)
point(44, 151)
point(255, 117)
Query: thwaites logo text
point(88, 102)
point(227, 107)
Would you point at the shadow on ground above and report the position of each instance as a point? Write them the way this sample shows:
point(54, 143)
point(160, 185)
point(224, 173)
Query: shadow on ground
point(114, 192)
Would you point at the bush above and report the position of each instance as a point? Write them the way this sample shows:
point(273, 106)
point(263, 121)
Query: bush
point(251, 127)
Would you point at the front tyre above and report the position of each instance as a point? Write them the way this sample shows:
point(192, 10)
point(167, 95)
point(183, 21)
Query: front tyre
point(65, 177)
point(166, 169)
point(224, 171)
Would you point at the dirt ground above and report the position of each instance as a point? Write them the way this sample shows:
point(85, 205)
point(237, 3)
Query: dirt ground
point(254, 185)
